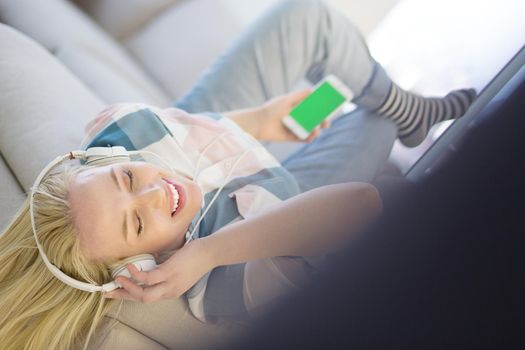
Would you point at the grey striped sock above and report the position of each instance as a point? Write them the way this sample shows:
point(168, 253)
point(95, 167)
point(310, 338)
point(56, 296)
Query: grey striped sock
point(414, 115)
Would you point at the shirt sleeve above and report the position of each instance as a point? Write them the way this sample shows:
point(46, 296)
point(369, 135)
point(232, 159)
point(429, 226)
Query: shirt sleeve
point(242, 291)
point(106, 117)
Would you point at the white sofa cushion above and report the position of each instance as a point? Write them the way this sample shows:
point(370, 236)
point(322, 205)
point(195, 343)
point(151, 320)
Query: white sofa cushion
point(183, 41)
point(166, 324)
point(43, 106)
point(106, 77)
point(64, 25)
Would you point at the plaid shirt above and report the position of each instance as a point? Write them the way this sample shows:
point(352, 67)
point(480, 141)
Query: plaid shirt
point(204, 147)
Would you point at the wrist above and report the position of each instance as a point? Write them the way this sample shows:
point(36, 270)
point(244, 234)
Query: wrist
point(206, 252)
point(248, 120)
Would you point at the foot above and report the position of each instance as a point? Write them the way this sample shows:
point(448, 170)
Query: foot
point(414, 115)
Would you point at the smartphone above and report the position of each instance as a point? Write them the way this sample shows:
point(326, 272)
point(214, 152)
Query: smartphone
point(323, 103)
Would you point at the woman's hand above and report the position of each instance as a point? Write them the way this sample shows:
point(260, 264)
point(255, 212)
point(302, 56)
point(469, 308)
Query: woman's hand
point(170, 280)
point(274, 111)
point(265, 122)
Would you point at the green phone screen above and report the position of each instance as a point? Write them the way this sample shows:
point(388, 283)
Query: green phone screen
point(317, 106)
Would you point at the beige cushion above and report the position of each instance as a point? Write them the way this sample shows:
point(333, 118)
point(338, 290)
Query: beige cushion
point(123, 337)
point(163, 325)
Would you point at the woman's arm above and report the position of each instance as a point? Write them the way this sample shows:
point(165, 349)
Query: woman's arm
point(313, 223)
point(265, 122)
point(317, 222)
point(247, 119)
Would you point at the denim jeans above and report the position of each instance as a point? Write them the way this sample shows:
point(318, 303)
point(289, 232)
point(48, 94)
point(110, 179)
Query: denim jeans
point(293, 41)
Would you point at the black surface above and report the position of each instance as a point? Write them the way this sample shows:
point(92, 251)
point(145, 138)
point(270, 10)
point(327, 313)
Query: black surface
point(442, 268)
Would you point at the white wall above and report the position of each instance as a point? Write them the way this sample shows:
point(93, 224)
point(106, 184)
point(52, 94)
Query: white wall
point(365, 14)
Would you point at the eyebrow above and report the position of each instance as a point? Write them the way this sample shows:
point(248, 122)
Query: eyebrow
point(125, 224)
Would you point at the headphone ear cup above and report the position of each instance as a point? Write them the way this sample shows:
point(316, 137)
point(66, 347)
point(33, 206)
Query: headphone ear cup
point(143, 262)
point(101, 156)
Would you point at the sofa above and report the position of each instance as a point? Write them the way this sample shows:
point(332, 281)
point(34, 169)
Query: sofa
point(61, 62)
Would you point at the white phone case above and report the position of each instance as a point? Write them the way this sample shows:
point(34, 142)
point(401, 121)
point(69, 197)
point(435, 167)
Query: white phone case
point(297, 129)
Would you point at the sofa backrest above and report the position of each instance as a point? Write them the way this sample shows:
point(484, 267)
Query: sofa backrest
point(43, 108)
point(174, 40)
point(89, 52)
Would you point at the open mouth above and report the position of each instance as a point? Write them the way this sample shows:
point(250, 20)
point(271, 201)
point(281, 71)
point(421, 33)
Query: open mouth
point(175, 194)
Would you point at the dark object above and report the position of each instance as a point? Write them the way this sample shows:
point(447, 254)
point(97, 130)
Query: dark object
point(442, 269)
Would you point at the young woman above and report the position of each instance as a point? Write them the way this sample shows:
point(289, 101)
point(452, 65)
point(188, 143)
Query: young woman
point(261, 225)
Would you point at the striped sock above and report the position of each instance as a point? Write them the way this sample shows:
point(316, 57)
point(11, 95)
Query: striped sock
point(414, 115)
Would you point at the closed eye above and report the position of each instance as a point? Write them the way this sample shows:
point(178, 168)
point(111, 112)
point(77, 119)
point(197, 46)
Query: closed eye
point(129, 173)
point(141, 227)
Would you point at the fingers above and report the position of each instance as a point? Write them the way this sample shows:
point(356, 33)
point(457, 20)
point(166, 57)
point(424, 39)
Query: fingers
point(290, 136)
point(317, 131)
point(119, 294)
point(132, 291)
point(313, 135)
point(154, 293)
point(147, 277)
point(326, 124)
point(153, 289)
point(129, 290)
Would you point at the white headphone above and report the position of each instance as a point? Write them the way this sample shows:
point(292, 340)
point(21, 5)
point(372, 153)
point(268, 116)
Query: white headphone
point(92, 156)
point(103, 156)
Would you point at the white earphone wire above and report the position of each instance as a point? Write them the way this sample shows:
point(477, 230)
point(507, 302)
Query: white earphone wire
point(208, 146)
point(190, 237)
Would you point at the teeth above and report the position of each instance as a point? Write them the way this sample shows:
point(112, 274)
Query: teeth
point(175, 198)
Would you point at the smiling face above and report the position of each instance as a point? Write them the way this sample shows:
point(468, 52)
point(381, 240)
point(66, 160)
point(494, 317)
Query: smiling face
point(126, 209)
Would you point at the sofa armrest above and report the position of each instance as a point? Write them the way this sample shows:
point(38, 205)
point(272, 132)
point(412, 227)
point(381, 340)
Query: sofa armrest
point(44, 107)
point(166, 324)
point(122, 336)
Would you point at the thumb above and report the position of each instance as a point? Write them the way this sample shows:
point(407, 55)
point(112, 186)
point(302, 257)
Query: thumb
point(298, 96)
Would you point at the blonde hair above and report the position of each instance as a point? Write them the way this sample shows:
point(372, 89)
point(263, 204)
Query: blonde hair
point(37, 311)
